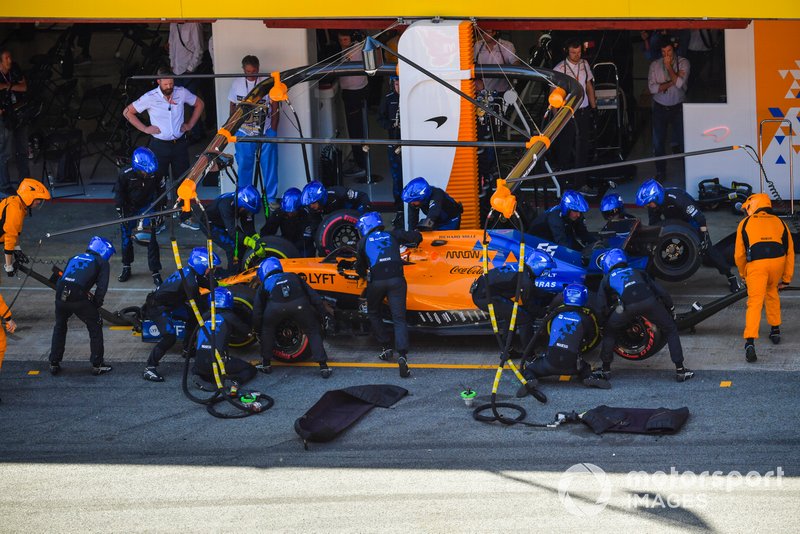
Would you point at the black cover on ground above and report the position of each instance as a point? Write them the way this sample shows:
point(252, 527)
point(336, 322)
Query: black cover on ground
point(336, 410)
point(635, 420)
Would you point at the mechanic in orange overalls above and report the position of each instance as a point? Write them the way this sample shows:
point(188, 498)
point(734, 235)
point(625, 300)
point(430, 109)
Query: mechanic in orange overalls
point(13, 209)
point(764, 255)
point(9, 324)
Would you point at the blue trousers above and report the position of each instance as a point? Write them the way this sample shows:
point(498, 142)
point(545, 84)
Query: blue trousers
point(246, 163)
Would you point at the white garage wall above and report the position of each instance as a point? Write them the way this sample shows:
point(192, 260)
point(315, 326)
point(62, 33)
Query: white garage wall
point(277, 49)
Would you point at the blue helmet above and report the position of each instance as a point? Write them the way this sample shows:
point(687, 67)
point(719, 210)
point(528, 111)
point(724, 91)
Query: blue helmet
point(539, 262)
point(611, 202)
point(249, 199)
point(198, 260)
point(650, 191)
point(290, 202)
point(101, 246)
point(573, 201)
point(417, 190)
point(223, 298)
point(144, 160)
point(368, 222)
point(612, 258)
point(576, 295)
point(269, 266)
point(313, 192)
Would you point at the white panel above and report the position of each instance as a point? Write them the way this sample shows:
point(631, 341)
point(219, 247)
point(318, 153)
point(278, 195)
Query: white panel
point(277, 49)
point(738, 114)
point(435, 48)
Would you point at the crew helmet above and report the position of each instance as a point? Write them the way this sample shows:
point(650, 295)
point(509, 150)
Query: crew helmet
point(650, 191)
point(576, 295)
point(101, 246)
point(417, 190)
point(269, 266)
point(573, 201)
point(144, 160)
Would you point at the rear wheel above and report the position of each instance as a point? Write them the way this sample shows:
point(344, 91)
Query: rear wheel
point(336, 230)
point(676, 256)
point(243, 297)
point(291, 343)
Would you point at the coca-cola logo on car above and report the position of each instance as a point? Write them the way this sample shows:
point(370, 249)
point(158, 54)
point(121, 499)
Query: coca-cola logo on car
point(475, 270)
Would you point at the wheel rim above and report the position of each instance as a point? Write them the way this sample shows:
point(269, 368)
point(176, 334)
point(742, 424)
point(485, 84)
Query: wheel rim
point(673, 253)
point(290, 341)
point(243, 310)
point(636, 341)
point(346, 235)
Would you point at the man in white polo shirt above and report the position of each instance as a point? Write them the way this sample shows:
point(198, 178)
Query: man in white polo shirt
point(164, 105)
point(258, 118)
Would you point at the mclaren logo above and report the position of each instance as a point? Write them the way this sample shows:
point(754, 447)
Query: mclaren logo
point(441, 119)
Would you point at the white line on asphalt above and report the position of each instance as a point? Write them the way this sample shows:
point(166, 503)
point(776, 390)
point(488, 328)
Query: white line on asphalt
point(111, 290)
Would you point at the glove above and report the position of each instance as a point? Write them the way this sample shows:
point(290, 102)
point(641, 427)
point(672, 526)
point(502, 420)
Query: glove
point(11, 270)
point(425, 225)
point(706, 241)
point(251, 241)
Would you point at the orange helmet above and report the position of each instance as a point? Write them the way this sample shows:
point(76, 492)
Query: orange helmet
point(30, 190)
point(756, 202)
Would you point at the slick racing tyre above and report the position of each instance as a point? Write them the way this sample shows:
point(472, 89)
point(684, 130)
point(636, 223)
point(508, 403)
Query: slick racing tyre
point(676, 256)
point(640, 340)
point(270, 247)
point(243, 298)
point(336, 230)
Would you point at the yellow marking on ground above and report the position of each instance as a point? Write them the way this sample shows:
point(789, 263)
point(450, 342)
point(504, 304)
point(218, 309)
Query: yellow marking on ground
point(725, 384)
point(119, 328)
point(564, 378)
point(367, 365)
point(33, 372)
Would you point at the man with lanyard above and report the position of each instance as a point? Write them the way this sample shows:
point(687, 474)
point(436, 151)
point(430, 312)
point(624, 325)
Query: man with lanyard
point(576, 132)
point(667, 81)
point(257, 117)
point(137, 188)
point(165, 104)
point(764, 255)
point(378, 262)
point(73, 296)
point(13, 131)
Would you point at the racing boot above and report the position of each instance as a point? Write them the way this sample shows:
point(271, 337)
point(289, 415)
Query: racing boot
point(598, 379)
point(101, 369)
point(157, 278)
point(775, 335)
point(151, 374)
point(750, 350)
point(324, 370)
point(733, 283)
point(682, 374)
point(385, 355)
point(55, 369)
point(402, 364)
point(265, 367)
point(125, 275)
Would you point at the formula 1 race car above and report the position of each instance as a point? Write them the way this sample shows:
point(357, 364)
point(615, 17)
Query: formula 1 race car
point(440, 272)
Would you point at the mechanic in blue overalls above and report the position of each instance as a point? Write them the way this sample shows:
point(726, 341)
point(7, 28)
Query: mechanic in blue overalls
point(171, 297)
point(227, 323)
point(675, 203)
point(499, 287)
point(231, 218)
point(285, 296)
point(294, 223)
point(564, 224)
point(378, 261)
point(442, 212)
point(73, 297)
point(138, 186)
point(570, 330)
point(629, 293)
point(612, 208)
point(320, 201)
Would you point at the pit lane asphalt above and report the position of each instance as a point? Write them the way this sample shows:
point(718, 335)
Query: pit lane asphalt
point(115, 453)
